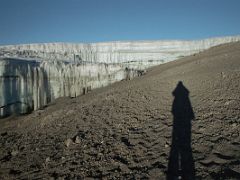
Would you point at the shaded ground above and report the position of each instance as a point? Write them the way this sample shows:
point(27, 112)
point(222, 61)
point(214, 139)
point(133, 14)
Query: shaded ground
point(126, 130)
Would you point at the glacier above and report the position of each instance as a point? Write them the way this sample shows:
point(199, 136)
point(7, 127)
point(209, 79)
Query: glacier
point(32, 75)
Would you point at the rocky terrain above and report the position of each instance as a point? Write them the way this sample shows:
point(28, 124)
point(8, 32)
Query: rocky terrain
point(136, 129)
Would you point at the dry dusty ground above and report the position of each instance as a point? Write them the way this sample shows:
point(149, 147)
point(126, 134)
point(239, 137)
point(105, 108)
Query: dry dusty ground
point(124, 131)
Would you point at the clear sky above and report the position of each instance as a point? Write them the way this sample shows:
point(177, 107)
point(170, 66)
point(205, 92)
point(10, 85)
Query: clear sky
point(35, 21)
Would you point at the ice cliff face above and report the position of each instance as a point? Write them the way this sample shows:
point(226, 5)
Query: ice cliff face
point(114, 52)
point(30, 85)
point(35, 74)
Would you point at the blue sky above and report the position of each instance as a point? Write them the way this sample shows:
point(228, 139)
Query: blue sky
point(35, 21)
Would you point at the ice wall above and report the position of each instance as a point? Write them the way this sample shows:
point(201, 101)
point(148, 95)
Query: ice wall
point(29, 85)
point(35, 74)
point(140, 52)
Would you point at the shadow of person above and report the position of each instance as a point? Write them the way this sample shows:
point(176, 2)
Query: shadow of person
point(181, 162)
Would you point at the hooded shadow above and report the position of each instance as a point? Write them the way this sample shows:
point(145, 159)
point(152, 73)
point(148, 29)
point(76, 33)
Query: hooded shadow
point(181, 160)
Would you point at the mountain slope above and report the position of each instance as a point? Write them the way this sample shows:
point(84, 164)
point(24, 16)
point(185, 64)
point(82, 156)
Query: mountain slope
point(129, 129)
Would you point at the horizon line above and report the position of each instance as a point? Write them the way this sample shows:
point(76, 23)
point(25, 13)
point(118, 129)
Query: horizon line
point(123, 41)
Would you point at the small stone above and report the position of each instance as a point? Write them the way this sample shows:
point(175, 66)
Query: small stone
point(48, 159)
point(14, 153)
point(166, 145)
point(77, 140)
point(68, 142)
point(234, 125)
point(223, 74)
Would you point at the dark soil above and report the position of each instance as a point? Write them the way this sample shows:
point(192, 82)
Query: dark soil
point(136, 129)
